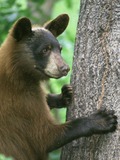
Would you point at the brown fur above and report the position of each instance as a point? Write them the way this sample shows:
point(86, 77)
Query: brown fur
point(26, 125)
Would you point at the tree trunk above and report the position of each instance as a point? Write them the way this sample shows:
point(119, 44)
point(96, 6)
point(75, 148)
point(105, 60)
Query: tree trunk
point(96, 77)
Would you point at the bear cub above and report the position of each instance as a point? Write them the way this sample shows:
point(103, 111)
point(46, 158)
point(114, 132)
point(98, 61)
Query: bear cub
point(29, 56)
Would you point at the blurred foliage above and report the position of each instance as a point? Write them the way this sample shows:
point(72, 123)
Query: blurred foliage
point(2, 157)
point(40, 11)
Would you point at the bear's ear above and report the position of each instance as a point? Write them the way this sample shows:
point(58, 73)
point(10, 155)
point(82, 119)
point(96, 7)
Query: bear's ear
point(21, 28)
point(58, 25)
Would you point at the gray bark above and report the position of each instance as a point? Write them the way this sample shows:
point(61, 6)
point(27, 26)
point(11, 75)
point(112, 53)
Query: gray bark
point(96, 77)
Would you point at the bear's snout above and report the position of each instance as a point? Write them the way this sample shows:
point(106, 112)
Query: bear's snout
point(64, 69)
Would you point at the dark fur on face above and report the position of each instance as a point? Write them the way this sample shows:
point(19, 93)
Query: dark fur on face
point(46, 51)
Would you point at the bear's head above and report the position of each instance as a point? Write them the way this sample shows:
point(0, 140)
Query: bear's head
point(37, 49)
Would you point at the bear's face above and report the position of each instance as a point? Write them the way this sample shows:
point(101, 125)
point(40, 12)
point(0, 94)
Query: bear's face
point(42, 46)
point(46, 51)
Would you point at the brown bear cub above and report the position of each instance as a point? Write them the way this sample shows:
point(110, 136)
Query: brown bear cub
point(29, 56)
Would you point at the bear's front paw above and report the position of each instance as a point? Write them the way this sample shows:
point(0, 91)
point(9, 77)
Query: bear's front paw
point(104, 121)
point(67, 94)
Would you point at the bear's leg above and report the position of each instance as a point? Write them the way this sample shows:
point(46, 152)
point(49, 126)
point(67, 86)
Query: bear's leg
point(60, 100)
point(101, 122)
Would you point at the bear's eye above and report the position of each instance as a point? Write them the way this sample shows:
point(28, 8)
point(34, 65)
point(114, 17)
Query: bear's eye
point(46, 50)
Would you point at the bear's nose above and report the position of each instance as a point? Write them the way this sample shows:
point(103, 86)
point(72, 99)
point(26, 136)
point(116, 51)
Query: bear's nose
point(64, 69)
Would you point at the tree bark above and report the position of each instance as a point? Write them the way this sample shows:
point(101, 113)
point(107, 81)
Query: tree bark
point(96, 77)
